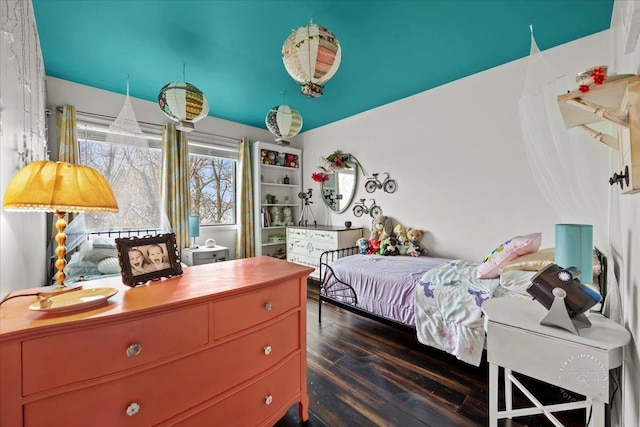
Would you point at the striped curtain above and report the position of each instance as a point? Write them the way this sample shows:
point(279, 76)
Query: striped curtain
point(176, 198)
point(67, 136)
point(245, 244)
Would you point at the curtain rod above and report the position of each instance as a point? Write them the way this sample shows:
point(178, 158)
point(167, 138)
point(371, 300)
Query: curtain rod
point(104, 116)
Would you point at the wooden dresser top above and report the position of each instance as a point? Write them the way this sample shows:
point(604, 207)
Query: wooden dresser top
point(197, 284)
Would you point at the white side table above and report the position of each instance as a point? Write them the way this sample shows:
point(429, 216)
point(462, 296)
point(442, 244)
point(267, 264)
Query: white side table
point(580, 363)
point(204, 255)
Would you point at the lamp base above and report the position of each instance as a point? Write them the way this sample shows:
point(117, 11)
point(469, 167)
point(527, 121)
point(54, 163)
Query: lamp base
point(49, 291)
point(194, 246)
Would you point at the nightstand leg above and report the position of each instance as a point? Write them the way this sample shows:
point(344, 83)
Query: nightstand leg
point(493, 394)
point(507, 390)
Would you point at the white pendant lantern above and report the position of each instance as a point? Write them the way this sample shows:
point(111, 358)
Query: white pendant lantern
point(183, 103)
point(311, 55)
point(284, 122)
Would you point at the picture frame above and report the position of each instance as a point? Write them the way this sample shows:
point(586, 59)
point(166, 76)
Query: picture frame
point(148, 258)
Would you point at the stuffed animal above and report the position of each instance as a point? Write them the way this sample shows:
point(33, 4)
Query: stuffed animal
point(276, 216)
point(292, 160)
point(414, 236)
point(363, 244)
point(374, 246)
point(391, 247)
point(286, 216)
point(381, 228)
point(280, 160)
point(400, 233)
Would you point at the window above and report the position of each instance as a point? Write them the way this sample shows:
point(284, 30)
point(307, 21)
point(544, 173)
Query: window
point(135, 174)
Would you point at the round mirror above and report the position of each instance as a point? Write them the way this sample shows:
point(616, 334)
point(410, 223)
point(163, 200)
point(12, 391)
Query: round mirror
point(338, 192)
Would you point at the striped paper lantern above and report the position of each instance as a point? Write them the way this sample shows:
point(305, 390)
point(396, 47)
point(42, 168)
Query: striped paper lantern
point(183, 103)
point(284, 122)
point(311, 55)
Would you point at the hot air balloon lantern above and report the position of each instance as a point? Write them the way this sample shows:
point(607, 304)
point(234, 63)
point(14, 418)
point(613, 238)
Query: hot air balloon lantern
point(284, 122)
point(183, 103)
point(311, 55)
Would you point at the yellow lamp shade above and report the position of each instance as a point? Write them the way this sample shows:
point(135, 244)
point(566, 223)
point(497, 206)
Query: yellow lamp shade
point(48, 186)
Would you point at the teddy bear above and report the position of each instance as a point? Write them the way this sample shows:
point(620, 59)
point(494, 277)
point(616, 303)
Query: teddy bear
point(414, 236)
point(381, 228)
point(280, 159)
point(286, 216)
point(292, 160)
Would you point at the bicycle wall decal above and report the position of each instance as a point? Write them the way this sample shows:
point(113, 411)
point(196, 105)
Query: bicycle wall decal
point(361, 208)
point(388, 185)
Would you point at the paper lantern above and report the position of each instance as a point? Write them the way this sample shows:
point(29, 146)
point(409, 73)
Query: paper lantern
point(284, 122)
point(311, 55)
point(183, 103)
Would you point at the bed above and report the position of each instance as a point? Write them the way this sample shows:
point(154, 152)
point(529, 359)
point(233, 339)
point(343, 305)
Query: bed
point(438, 298)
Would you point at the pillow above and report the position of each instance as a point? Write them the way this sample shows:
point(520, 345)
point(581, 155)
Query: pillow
point(109, 265)
point(516, 281)
point(539, 260)
point(512, 248)
point(95, 251)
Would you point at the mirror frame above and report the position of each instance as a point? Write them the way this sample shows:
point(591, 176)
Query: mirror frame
point(349, 200)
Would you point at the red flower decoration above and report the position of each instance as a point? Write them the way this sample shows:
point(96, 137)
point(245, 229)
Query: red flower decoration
point(598, 75)
point(320, 177)
point(583, 88)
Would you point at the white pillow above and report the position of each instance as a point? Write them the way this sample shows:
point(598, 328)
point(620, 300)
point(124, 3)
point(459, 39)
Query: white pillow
point(109, 265)
point(516, 280)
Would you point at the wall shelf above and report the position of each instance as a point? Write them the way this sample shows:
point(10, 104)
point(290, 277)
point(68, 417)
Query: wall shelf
point(617, 101)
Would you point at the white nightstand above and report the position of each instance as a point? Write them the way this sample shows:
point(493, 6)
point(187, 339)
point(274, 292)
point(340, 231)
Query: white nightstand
point(203, 255)
point(580, 363)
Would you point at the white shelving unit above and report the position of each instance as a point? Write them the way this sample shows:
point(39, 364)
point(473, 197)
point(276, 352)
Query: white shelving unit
point(269, 179)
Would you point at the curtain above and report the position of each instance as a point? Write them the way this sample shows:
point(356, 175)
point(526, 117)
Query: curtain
point(67, 137)
point(175, 182)
point(245, 246)
point(575, 185)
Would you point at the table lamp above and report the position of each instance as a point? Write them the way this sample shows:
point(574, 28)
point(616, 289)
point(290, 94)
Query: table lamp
point(574, 248)
point(60, 187)
point(194, 229)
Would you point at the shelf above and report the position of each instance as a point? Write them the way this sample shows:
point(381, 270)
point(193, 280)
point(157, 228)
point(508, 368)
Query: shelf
point(616, 101)
point(274, 244)
point(279, 204)
point(273, 184)
point(274, 227)
point(264, 165)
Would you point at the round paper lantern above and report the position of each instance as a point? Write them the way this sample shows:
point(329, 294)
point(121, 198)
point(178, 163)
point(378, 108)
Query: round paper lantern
point(284, 122)
point(183, 103)
point(311, 55)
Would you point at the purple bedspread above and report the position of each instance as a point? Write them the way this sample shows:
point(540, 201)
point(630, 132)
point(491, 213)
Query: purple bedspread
point(383, 285)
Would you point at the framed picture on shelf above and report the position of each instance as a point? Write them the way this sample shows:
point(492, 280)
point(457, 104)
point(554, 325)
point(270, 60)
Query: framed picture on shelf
point(148, 258)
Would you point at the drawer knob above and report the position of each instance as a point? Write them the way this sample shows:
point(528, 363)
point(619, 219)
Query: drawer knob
point(267, 350)
point(134, 350)
point(268, 306)
point(268, 399)
point(133, 409)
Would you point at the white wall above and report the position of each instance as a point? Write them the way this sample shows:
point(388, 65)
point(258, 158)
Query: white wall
point(91, 100)
point(22, 235)
point(457, 154)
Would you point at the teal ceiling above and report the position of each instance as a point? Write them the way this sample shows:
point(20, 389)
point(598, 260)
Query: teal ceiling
point(232, 49)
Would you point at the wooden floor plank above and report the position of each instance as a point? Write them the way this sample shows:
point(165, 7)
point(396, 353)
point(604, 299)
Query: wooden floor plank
point(363, 373)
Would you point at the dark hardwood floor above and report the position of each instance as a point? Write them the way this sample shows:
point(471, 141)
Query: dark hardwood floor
point(364, 373)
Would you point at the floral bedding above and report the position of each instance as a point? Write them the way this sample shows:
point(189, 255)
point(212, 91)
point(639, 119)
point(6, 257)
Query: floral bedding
point(447, 309)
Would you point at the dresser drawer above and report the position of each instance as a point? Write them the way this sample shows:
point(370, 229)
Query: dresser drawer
point(90, 353)
point(239, 313)
point(311, 248)
point(256, 403)
point(172, 388)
